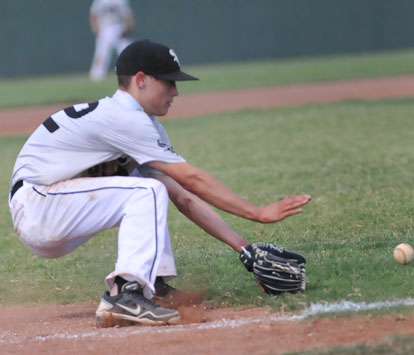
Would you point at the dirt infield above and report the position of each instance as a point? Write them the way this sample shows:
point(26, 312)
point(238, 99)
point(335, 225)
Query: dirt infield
point(25, 120)
point(69, 329)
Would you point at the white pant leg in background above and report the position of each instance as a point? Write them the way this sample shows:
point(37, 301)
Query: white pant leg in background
point(54, 220)
point(122, 44)
point(107, 41)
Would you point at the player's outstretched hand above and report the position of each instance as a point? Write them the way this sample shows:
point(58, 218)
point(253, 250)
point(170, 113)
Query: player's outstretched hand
point(282, 209)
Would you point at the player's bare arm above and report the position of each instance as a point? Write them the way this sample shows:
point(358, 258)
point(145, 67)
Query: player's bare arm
point(129, 23)
point(213, 191)
point(93, 21)
point(201, 214)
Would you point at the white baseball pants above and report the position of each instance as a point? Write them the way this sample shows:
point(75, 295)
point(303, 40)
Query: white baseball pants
point(109, 39)
point(54, 220)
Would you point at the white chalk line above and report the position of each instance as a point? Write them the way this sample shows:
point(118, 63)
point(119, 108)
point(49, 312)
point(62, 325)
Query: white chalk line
point(312, 310)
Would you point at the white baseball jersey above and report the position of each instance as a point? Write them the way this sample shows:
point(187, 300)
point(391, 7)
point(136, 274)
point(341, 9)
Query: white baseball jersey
point(54, 212)
point(77, 138)
point(110, 12)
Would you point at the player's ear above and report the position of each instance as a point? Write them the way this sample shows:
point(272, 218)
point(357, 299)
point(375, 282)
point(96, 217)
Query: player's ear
point(140, 79)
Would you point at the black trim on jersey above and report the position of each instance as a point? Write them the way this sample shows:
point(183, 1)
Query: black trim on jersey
point(51, 125)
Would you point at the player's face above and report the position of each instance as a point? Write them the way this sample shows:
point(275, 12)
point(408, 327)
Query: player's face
point(159, 96)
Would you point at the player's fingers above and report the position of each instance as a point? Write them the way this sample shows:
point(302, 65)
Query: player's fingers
point(291, 212)
point(295, 201)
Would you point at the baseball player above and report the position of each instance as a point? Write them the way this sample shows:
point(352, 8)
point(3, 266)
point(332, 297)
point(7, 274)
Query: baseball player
point(112, 23)
point(109, 163)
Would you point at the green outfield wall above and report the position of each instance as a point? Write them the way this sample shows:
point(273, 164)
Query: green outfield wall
point(52, 36)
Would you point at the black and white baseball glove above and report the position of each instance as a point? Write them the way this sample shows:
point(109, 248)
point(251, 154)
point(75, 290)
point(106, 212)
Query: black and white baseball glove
point(121, 167)
point(275, 269)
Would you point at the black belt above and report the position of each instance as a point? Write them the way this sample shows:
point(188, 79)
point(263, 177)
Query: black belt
point(15, 187)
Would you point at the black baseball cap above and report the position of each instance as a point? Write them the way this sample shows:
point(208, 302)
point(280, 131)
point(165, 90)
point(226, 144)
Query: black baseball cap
point(153, 59)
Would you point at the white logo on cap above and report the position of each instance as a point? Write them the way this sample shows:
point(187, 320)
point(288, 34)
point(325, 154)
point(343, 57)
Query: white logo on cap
point(175, 57)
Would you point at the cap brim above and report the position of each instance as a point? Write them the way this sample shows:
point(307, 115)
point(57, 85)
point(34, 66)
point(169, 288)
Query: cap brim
point(175, 76)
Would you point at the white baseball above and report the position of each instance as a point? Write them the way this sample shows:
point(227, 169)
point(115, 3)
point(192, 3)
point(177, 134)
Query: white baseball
point(403, 253)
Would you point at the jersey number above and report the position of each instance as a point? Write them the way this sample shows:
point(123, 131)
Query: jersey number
point(51, 124)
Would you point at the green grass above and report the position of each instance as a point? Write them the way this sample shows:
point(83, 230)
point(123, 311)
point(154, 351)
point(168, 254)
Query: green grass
point(78, 88)
point(355, 159)
point(396, 345)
